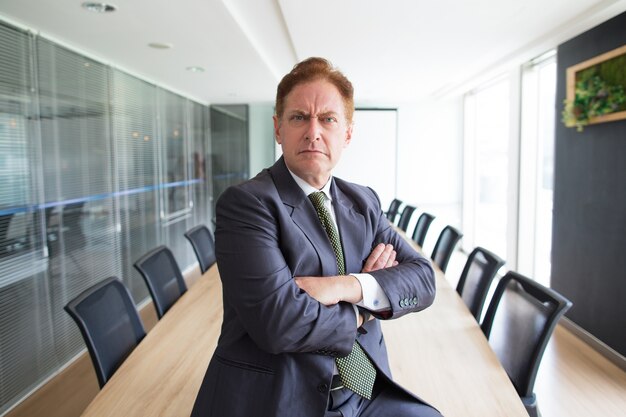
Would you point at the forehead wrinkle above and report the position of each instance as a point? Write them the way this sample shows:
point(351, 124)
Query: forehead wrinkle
point(308, 103)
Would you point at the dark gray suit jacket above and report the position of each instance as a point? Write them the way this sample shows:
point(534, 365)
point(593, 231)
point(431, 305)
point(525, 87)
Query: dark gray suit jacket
point(275, 355)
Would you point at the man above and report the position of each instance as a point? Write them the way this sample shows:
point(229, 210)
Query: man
point(307, 275)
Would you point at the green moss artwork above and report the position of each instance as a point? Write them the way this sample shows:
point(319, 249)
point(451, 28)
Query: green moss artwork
point(599, 90)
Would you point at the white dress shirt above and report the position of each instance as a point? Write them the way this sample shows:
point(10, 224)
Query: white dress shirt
point(374, 298)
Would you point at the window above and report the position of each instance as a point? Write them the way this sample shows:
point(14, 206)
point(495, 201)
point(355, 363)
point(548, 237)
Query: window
point(486, 167)
point(537, 167)
point(508, 205)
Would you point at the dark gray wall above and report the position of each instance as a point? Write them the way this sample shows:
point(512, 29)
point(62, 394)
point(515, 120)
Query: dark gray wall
point(589, 225)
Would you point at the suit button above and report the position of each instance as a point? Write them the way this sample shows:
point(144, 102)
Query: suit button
point(402, 303)
point(323, 388)
point(414, 301)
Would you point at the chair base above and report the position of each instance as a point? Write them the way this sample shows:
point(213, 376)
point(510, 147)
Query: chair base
point(530, 403)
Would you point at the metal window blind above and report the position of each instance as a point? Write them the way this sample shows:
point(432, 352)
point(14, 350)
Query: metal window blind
point(134, 113)
point(175, 173)
point(200, 160)
point(84, 155)
point(24, 357)
point(78, 182)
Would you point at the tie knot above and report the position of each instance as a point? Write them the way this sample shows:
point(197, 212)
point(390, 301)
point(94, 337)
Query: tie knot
point(317, 198)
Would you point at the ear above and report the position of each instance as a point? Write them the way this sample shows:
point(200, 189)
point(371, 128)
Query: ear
point(277, 129)
point(348, 135)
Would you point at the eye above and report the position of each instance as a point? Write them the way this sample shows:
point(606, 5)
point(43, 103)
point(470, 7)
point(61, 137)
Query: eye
point(297, 117)
point(329, 119)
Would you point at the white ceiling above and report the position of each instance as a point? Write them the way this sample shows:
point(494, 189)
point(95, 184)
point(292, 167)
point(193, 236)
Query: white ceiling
point(394, 51)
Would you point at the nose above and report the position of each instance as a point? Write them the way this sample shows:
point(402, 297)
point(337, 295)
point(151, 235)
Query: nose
point(313, 131)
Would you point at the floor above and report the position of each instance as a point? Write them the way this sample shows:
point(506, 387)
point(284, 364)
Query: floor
point(574, 380)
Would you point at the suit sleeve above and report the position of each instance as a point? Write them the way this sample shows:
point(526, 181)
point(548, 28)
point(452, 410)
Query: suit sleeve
point(410, 286)
point(259, 285)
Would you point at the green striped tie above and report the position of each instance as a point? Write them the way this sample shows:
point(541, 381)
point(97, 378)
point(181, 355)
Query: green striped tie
point(355, 370)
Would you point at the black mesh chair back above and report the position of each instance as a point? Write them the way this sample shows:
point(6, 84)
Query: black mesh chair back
point(405, 217)
point(519, 322)
point(163, 278)
point(421, 228)
point(448, 238)
point(110, 325)
point(480, 269)
point(203, 245)
point(392, 212)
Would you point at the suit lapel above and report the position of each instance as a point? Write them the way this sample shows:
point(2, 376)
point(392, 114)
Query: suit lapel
point(304, 216)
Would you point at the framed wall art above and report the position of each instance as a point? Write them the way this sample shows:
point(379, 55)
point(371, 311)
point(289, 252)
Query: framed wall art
point(596, 90)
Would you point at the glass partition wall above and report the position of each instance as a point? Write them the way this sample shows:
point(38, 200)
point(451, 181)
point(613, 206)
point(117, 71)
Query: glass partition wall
point(96, 168)
point(229, 139)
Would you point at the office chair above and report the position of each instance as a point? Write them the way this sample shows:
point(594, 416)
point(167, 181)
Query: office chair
point(480, 269)
point(446, 242)
point(163, 277)
point(405, 217)
point(392, 212)
point(421, 228)
point(110, 325)
point(203, 245)
point(519, 322)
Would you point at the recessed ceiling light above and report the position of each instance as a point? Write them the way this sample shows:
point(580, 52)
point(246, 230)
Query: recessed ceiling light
point(195, 69)
point(99, 7)
point(160, 45)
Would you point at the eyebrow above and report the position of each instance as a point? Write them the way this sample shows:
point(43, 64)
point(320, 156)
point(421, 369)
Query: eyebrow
point(306, 113)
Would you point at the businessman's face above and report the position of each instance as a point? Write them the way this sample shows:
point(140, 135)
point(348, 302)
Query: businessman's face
point(313, 131)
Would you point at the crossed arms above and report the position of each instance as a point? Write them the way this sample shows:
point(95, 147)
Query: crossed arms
point(332, 290)
point(260, 253)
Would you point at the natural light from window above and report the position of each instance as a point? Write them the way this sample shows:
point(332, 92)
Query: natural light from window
point(487, 138)
point(537, 167)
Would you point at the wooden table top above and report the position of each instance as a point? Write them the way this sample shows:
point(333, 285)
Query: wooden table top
point(161, 377)
point(440, 354)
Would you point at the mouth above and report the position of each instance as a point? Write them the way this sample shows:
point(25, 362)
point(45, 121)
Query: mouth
point(311, 151)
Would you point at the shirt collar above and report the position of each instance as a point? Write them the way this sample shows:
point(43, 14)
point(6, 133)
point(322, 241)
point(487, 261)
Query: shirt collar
point(308, 188)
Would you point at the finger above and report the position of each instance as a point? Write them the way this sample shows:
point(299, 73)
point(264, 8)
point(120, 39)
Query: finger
point(373, 257)
point(391, 259)
point(381, 262)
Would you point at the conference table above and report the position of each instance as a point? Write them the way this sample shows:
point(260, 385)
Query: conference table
point(439, 353)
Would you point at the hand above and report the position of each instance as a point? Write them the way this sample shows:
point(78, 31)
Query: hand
point(364, 318)
point(382, 256)
point(331, 290)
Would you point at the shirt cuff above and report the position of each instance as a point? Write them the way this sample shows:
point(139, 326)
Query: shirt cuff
point(356, 312)
point(374, 298)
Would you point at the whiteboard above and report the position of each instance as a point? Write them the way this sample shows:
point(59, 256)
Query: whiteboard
point(370, 159)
